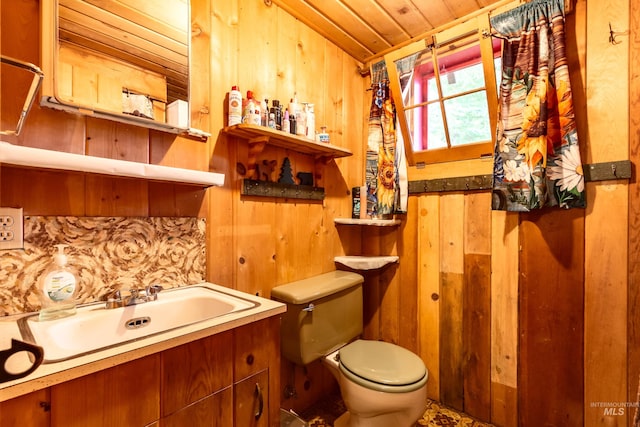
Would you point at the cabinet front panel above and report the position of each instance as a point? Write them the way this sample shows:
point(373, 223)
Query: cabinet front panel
point(256, 346)
point(252, 401)
point(125, 395)
point(28, 410)
point(213, 411)
point(195, 370)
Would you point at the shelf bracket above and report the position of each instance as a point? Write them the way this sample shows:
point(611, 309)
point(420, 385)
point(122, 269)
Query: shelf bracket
point(320, 162)
point(256, 145)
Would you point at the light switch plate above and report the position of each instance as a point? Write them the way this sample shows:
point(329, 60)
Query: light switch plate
point(11, 228)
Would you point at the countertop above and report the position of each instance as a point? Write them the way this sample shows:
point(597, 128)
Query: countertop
point(49, 374)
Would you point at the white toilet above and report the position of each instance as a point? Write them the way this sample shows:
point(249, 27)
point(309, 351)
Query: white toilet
point(382, 384)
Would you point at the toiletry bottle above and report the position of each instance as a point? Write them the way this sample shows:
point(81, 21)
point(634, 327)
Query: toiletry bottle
point(311, 122)
point(248, 107)
point(355, 202)
point(301, 120)
point(59, 286)
point(292, 123)
point(277, 111)
point(293, 111)
point(264, 112)
point(286, 124)
point(323, 136)
point(235, 107)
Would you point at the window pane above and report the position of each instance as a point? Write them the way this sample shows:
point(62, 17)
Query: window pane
point(462, 80)
point(460, 66)
point(436, 137)
point(427, 127)
point(412, 80)
point(468, 119)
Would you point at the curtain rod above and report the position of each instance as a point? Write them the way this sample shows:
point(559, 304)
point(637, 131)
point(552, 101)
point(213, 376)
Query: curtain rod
point(568, 7)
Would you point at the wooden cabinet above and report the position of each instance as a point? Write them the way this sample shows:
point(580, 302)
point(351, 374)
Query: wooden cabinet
point(125, 395)
point(228, 379)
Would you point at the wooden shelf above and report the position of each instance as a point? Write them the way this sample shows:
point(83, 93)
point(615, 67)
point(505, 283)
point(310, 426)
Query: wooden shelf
point(51, 102)
point(264, 135)
point(366, 262)
point(373, 222)
point(48, 159)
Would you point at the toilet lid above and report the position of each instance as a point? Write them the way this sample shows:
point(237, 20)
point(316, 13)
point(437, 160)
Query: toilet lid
point(382, 363)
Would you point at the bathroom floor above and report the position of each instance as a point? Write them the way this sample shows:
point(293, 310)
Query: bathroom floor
point(325, 412)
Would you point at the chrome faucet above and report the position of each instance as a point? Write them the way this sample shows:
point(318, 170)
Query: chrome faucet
point(123, 298)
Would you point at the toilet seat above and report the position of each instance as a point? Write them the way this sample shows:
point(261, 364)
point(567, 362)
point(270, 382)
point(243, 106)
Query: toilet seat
point(382, 366)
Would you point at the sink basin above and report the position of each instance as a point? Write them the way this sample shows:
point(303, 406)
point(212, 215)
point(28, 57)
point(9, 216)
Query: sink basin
point(94, 327)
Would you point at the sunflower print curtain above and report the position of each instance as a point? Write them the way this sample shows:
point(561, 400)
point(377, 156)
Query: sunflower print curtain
point(536, 158)
point(381, 171)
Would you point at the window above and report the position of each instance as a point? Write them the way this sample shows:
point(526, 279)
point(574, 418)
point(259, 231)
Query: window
point(446, 94)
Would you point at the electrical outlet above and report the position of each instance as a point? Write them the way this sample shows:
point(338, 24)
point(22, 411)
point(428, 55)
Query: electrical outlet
point(11, 228)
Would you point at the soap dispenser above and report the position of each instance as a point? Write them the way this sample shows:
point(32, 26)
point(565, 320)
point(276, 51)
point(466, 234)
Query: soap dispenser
point(58, 286)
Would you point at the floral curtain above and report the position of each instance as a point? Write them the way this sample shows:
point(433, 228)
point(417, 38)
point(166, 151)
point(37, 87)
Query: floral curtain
point(537, 158)
point(385, 158)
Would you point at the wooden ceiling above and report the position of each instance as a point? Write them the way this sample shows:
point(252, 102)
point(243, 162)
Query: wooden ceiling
point(367, 28)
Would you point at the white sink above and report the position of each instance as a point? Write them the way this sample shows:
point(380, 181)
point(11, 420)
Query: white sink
point(94, 327)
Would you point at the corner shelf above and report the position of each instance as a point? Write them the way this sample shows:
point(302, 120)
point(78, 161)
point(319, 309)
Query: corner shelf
point(366, 262)
point(374, 222)
point(48, 159)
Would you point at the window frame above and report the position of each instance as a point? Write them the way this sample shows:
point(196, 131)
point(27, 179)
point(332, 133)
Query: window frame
point(480, 26)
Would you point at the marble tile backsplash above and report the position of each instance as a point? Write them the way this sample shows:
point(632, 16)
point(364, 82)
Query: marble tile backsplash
point(107, 253)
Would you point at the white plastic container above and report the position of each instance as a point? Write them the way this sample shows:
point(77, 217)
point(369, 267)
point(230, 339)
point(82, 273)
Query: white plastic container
point(311, 122)
point(235, 107)
point(178, 114)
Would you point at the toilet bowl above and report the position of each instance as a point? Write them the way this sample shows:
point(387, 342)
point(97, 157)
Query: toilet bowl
point(381, 384)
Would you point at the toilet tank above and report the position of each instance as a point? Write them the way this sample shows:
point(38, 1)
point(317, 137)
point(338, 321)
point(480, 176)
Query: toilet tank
point(323, 313)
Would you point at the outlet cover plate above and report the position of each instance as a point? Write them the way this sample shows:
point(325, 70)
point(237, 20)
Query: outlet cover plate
point(11, 228)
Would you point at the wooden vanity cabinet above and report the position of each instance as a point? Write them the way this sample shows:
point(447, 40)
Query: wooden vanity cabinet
point(219, 381)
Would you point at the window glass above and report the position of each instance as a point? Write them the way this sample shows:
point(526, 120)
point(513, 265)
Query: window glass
point(468, 119)
point(449, 93)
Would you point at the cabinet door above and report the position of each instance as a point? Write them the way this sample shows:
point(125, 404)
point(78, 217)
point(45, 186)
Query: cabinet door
point(251, 397)
point(125, 395)
point(257, 347)
point(213, 411)
point(29, 410)
point(196, 370)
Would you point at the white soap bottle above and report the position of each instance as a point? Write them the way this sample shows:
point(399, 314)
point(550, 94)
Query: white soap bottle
point(59, 287)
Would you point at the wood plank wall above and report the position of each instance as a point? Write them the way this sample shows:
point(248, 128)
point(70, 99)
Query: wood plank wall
point(254, 243)
point(463, 272)
point(557, 286)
